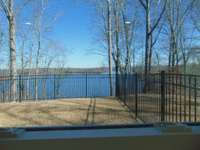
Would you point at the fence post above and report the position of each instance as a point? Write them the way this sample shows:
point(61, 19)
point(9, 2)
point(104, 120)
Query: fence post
point(54, 86)
point(20, 89)
point(195, 99)
point(136, 95)
point(117, 85)
point(3, 91)
point(125, 88)
point(86, 86)
point(162, 96)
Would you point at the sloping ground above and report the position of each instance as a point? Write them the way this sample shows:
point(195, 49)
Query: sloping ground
point(177, 108)
point(100, 111)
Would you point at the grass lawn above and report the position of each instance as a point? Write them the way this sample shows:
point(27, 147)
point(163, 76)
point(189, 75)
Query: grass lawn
point(65, 112)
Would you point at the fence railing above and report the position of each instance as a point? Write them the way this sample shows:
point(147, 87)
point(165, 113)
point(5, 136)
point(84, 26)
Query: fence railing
point(164, 97)
point(47, 87)
point(161, 97)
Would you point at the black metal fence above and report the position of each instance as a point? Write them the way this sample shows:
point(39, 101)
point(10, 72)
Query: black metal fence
point(56, 86)
point(161, 97)
point(164, 97)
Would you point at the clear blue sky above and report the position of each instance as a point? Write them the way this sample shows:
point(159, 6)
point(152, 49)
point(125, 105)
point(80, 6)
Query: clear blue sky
point(74, 29)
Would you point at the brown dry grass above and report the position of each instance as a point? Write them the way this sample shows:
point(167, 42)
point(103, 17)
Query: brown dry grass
point(178, 108)
point(64, 112)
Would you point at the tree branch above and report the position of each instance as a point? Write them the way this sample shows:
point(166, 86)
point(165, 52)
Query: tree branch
point(22, 5)
point(5, 8)
point(159, 18)
point(185, 13)
point(143, 4)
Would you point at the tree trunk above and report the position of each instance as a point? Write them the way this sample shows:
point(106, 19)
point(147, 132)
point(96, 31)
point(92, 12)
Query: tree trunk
point(148, 44)
point(12, 45)
point(118, 53)
point(21, 82)
point(150, 54)
point(169, 59)
point(110, 45)
point(36, 69)
point(128, 50)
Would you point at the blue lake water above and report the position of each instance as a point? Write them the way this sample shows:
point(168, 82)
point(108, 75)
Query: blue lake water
point(60, 86)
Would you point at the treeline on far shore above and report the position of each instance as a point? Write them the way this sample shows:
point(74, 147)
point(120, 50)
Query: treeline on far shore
point(191, 69)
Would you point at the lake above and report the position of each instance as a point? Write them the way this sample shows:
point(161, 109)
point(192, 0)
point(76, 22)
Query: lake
point(59, 86)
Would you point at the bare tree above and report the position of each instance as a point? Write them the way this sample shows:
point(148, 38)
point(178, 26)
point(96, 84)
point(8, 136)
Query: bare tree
point(109, 15)
point(39, 28)
point(117, 33)
point(9, 12)
point(117, 51)
point(129, 29)
point(151, 26)
point(104, 10)
point(176, 13)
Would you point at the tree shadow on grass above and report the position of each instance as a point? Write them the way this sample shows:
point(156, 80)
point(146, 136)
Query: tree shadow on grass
point(49, 117)
point(18, 117)
point(87, 113)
